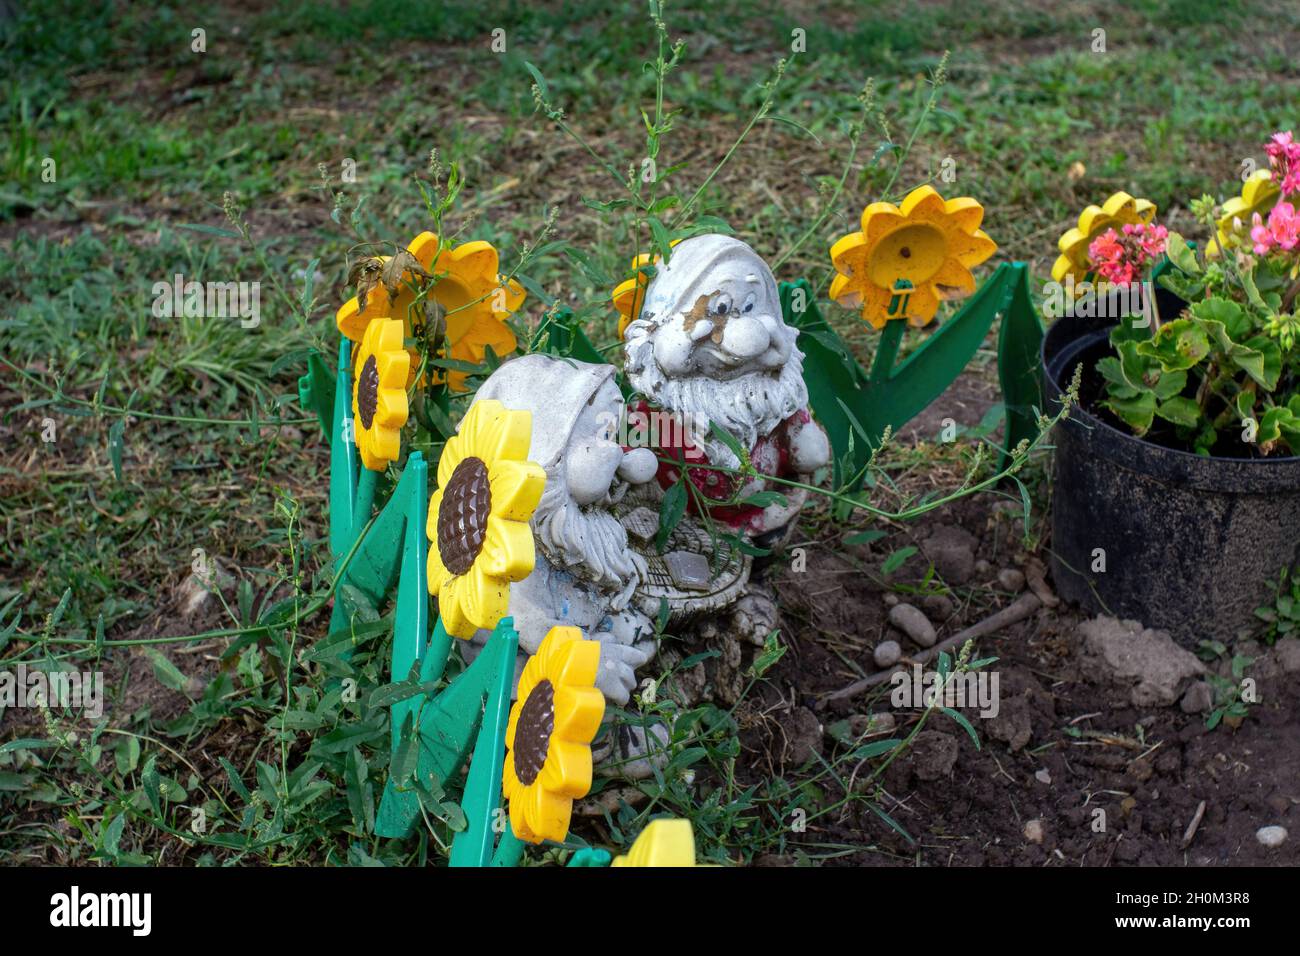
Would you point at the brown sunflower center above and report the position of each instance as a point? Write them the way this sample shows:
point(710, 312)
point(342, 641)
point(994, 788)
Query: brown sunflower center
point(368, 392)
point(533, 732)
point(463, 515)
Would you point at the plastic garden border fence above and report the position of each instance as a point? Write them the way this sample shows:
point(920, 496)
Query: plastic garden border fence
point(436, 731)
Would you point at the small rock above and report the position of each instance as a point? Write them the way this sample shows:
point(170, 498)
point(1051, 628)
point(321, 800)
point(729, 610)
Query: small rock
point(1198, 699)
point(1011, 579)
point(1043, 776)
point(887, 654)
point(1034, 831)
point(952, 551)
point(912, 622)
point(891, 599)
point(1271, 837)
point(982, 567)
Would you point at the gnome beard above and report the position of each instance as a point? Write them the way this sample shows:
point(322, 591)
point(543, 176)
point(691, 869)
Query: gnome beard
point(590, 544)
point(748, 407)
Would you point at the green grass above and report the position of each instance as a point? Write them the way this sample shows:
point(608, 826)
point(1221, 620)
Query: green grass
point(146, 137)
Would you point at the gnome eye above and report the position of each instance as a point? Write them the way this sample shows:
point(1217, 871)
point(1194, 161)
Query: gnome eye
point(722, 305)
point(749, 304)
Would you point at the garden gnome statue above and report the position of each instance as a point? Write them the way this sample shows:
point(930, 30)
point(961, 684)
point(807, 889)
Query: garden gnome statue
point(585, 573)
point(710, 346)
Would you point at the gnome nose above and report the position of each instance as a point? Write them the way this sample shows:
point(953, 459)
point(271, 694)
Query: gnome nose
point(745, 337)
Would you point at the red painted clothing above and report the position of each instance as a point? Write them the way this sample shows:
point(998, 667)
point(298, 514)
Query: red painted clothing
point(770, 455)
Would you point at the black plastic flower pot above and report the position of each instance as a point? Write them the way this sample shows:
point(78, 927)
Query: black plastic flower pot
point(1182, 542)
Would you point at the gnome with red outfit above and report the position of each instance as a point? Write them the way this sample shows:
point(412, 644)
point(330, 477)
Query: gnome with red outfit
point(710, 346)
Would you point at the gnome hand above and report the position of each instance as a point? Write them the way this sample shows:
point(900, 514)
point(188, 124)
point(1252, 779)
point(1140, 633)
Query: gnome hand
point(627, 642)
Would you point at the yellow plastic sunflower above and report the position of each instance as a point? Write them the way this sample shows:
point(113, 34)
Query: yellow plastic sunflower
point(629, 295)
point(1116, 212)
point(909, 258)
point(664, 842)
point(548, 739)
point(379, 393)
point(479, 538)
point(1259, 194)
point(475, 300)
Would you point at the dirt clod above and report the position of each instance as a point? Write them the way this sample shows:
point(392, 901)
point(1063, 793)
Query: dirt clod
point(1148, 662)
point(952, 551)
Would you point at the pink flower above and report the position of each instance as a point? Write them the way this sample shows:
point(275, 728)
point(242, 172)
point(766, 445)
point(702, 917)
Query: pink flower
point(1284, 156)
point(1122, 258)
point(1281, 232)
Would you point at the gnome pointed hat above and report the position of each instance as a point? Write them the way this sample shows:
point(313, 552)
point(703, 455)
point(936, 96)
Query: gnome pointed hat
point(555, 390)
point(689, 274)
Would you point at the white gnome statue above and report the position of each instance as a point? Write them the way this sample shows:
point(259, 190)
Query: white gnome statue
point(710, 346)
point(585, 573)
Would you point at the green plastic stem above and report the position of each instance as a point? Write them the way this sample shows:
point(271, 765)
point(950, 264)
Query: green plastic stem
point(482, 799)
point(882, 367)
point(435, 658)
point(510, 850)
point(365, 502)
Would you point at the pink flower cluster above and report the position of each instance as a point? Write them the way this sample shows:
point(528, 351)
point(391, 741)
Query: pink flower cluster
point(1281, 232)
point(1122, 258)
point(1284, 156)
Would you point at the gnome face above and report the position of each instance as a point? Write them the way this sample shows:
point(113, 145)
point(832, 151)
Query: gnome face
point(594, 456)
point(716, 312)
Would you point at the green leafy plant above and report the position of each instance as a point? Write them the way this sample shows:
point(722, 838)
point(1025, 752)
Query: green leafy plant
point(1222, 377)
point(1282, 617)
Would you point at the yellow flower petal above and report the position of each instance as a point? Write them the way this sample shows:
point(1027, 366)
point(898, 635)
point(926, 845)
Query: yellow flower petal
point(516, 487)
point(664, 842)
point(507, 549)
point(485, 597)
point(567, 771)
point(907, 258)
point(578, 713)
point(452, 600)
